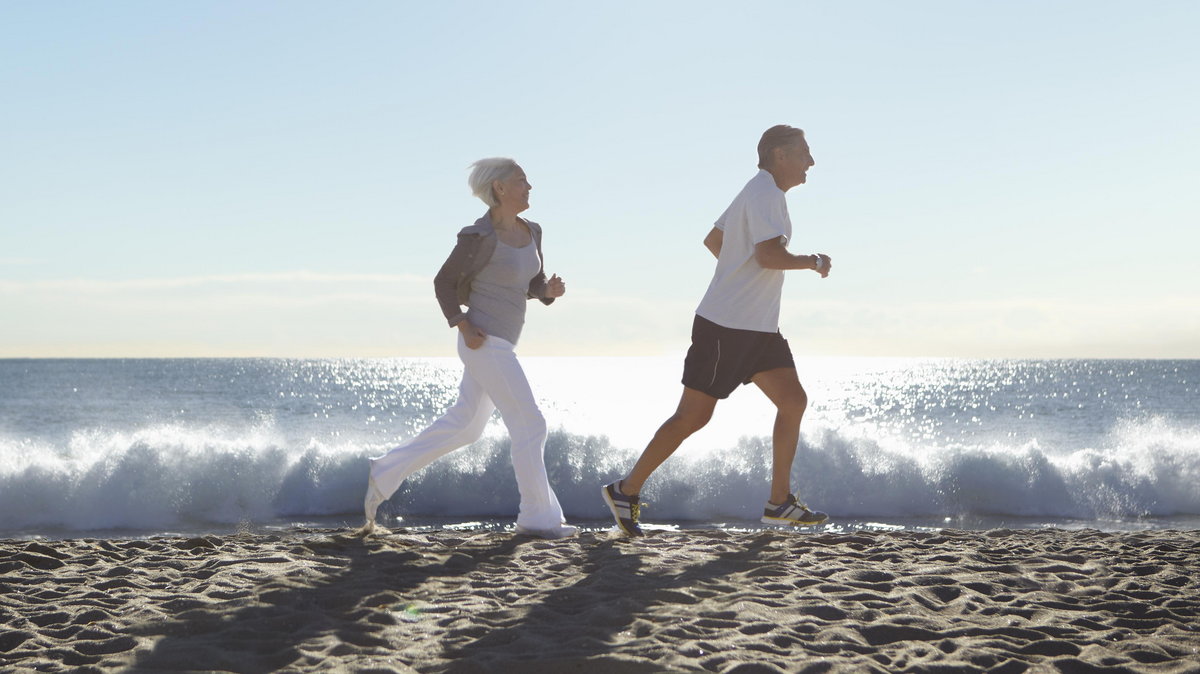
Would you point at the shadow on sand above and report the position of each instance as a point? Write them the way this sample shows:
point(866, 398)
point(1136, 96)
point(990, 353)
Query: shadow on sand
point(342, 606)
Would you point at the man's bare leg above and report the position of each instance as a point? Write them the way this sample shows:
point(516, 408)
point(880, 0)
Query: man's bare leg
point(782, 386)
point(694, 411)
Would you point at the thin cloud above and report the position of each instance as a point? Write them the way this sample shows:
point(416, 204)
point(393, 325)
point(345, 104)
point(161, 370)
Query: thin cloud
point(123, 285)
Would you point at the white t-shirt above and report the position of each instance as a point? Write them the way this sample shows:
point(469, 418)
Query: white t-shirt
point(742, 293)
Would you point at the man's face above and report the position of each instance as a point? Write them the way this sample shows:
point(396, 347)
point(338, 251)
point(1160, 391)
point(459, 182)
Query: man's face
point(792, 163)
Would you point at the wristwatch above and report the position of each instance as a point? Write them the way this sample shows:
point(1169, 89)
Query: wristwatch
point(820, 261)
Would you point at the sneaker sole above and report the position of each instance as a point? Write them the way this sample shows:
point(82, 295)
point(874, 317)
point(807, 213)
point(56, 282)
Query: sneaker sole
point(612, 507)
point(793, 523)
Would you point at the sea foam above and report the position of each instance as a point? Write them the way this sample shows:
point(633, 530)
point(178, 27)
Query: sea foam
point(172, 475)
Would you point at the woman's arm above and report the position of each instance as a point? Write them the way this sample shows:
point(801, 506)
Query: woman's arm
point(472, 335)
point(445, 284)
point(538, 288)
point(546, 290)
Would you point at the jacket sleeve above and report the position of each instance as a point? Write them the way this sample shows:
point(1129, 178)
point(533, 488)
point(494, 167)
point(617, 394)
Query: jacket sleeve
point(537, 288)
point(537, 285)
point(445, 284)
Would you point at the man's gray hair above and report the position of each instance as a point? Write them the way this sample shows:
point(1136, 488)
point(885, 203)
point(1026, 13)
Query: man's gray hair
point(780, 135)
point(486, 171)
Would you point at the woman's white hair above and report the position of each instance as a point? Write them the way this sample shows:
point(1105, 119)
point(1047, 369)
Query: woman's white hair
point(486, 171)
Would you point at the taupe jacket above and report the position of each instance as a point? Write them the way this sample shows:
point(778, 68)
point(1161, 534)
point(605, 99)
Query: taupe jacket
point(474, 249)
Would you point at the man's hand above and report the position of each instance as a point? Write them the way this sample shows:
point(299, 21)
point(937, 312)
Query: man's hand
point(823, 263)
point(555, 287)
point(772, 254)
point(473, 336)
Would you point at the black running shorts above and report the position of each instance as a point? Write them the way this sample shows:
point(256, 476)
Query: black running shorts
point(721, 358)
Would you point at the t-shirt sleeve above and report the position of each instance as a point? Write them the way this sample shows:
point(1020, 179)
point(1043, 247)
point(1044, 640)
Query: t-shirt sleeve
point(767, 219)
point(720, 223)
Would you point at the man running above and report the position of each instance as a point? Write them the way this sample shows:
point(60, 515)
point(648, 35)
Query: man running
point(735, 334)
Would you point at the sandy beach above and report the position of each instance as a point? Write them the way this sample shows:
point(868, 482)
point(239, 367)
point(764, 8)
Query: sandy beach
point(695, 600)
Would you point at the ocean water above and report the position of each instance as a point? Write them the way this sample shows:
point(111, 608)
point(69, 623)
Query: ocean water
point(137, 447)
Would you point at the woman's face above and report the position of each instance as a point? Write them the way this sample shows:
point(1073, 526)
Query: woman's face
point(513, 191)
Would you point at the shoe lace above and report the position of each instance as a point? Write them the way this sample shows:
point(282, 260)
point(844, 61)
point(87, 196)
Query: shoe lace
point(635, 510)
point(797, 503)
point(794, 508)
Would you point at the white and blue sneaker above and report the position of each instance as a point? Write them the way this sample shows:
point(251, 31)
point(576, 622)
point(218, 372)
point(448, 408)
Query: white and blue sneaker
point(625, 509)
point(793, 513)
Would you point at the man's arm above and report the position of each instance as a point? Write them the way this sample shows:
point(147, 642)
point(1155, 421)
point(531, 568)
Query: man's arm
point(771, 254)
point(713, 241)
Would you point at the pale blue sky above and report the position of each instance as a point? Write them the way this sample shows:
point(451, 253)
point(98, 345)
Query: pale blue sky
point(285, 178)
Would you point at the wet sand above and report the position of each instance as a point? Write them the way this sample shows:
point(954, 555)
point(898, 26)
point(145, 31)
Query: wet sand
point(696, 600)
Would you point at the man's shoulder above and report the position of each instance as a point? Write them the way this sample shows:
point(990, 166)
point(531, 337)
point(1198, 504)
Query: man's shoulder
point(760, 188)
point(763, 186)
point(761, 192)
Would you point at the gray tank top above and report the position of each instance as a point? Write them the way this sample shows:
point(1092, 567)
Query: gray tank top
point(500, 291)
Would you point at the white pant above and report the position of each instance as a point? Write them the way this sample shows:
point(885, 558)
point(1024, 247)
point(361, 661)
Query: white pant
point(492, 379)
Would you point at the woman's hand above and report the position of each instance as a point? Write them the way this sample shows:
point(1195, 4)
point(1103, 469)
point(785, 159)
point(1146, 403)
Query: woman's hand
point(555, 287)
point(473, 336)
